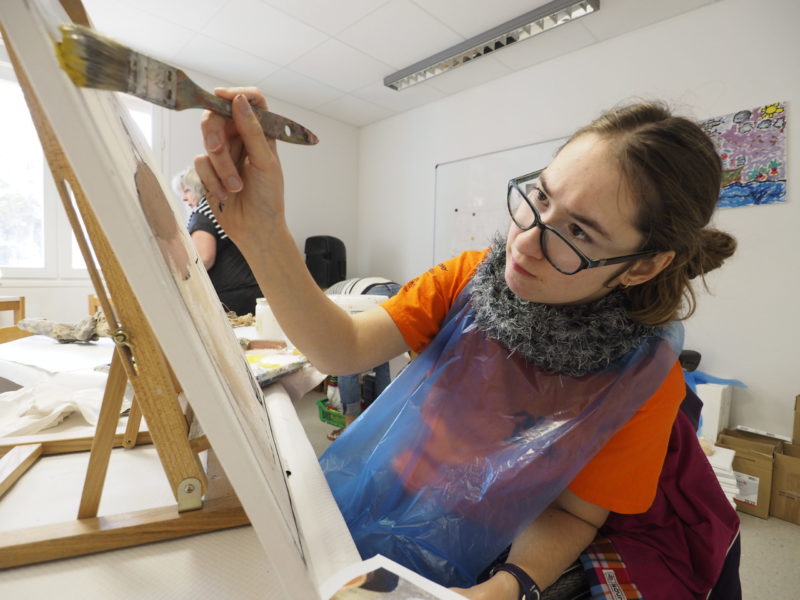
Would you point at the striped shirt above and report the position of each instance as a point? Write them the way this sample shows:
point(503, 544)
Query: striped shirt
point(205, 209)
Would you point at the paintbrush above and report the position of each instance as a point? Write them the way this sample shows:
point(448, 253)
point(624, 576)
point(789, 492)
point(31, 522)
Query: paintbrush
point(95, 61)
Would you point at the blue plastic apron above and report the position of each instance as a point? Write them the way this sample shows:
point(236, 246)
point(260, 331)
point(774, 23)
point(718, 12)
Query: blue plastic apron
point(469, 445)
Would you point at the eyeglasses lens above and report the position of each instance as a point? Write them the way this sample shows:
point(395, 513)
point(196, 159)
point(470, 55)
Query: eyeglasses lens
point(560, 254)
point(520, 211)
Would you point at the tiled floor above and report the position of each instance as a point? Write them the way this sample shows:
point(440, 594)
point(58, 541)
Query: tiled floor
point(770, 567)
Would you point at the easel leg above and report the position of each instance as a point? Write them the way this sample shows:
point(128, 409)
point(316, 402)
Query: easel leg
point(132, 430)
point(15, 462)
point(135, 416)
point(103, 439)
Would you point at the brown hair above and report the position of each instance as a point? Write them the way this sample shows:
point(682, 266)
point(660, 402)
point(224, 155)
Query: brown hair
point(674, 173)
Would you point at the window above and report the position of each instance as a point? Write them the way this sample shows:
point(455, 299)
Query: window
point(22, 219)
point(36, 240)
point(142, 114)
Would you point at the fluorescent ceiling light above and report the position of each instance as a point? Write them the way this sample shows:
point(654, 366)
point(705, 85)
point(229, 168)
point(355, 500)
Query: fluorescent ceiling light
point(521, 28)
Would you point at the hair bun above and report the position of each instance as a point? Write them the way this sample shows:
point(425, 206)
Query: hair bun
point(714, 248)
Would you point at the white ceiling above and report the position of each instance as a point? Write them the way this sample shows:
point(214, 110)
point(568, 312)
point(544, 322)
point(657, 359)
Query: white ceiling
point(331, 56)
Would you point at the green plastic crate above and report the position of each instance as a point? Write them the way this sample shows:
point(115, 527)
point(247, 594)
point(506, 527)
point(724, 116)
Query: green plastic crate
point(329, 415)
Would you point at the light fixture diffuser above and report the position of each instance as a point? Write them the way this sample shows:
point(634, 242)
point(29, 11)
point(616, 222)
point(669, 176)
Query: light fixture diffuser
point(520, 28)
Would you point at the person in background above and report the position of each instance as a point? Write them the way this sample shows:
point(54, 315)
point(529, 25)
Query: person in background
point(230, 274)
point(350, 385)
point(188, 185)
point(543, 419)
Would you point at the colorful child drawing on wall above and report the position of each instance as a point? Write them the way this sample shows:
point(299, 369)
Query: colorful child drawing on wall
point(752, 146)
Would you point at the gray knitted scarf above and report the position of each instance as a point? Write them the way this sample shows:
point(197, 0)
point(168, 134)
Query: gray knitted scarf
point(572, 340)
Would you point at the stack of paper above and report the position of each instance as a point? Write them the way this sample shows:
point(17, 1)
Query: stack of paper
point(716, 409)
point(268, 365)
point(722, 462)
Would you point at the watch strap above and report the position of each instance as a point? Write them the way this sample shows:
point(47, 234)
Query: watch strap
point(528, 588)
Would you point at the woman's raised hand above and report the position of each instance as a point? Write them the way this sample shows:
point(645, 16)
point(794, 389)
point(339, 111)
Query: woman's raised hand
point(241, 171)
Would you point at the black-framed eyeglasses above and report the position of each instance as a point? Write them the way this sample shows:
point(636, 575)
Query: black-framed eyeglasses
point(565, 256)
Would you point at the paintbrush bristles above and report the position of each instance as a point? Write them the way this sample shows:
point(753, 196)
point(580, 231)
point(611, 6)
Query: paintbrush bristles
point(95, 61)
point(92, 60)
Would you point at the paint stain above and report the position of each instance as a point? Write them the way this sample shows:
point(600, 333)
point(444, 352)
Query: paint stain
point(162, 221)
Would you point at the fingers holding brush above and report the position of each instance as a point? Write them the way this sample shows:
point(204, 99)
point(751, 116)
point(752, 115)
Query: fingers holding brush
point(219, 134)
point(222, 137)
point(262, 150)
point(213, 186)
point(241, 169)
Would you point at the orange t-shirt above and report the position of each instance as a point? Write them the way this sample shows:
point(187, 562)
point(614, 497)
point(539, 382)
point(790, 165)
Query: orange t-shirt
point(623, 475)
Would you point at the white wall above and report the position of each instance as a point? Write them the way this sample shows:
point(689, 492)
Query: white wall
point(62, 300)
point(726, 56)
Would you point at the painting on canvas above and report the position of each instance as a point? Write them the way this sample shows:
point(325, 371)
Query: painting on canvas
point(752, 146)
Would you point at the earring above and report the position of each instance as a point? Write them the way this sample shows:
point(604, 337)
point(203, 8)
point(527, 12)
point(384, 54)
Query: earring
point(618, 286)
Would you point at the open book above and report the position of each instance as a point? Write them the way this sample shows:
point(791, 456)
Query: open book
point(379, 577)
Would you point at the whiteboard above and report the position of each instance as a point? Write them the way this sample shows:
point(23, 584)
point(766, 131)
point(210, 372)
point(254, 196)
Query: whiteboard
point(470, 200)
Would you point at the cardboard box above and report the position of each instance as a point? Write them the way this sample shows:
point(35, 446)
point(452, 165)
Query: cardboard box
point(755, 435)
point(796, 430)
point(752, 467)
point(785, 496)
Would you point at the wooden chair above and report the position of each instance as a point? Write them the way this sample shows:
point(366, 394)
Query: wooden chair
point(94, 304)
point(15, 304)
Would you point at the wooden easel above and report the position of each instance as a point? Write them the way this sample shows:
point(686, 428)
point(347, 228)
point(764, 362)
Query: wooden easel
point(205, 500)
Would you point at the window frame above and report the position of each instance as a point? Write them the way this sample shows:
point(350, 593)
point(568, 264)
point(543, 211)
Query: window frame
point(59, 244)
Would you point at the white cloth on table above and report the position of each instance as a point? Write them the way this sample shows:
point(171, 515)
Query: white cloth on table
point(36, 407)
point(60, 379)
point(57, 379)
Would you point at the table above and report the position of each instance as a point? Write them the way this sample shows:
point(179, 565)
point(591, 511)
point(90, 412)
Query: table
point(65, 368)
point(37, 358)
point(223, 564)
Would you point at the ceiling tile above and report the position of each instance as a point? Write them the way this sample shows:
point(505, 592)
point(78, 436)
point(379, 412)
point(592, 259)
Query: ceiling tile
point(104, 10)
point(289, 86)
point(263, 30)
point(409, 98)
point(354, 111)
point(192, 14)
point(616, 17)
point(478, 17)
point(240, 68)
point(330, 17)
point(548, 45)
point(471, 74)
point(125, 24)
point(399, 34)
point(340, 66)
point(290, 48)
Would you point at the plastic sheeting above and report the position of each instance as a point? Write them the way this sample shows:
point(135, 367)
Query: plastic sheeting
point(469, 445)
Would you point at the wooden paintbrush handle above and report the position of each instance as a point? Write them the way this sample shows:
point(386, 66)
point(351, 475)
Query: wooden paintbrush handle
point(273, 125)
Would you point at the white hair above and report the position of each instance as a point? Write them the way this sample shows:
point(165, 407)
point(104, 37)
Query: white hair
point(189, 178)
